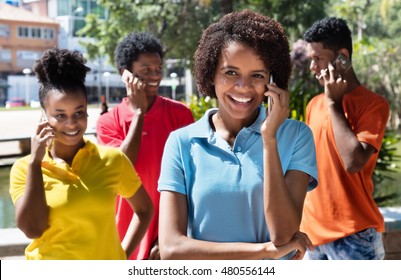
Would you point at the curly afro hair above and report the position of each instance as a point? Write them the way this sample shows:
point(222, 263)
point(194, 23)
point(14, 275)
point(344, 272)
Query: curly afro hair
point(128, 50)
point(265, 35)
point(332, 32)
point(60, 69)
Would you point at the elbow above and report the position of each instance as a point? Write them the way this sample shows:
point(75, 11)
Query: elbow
point(353, 166)
point(166, 252)
point(279, 240)
point(146, 215)
point(32, 231)
point(170, 251)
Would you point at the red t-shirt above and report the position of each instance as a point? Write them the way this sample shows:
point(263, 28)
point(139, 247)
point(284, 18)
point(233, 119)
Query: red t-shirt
point(165, 116)
point(343, 204)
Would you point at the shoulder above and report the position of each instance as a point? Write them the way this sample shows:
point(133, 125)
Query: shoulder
point(295, 126)
point(173, 104)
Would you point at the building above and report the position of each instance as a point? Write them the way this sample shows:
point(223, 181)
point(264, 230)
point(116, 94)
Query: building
point(24, 36)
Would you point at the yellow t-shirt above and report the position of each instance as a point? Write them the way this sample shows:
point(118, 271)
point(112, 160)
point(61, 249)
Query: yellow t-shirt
point(82, 202)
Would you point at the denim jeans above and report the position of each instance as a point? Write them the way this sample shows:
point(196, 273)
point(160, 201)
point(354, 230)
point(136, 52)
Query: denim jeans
point(363, 245)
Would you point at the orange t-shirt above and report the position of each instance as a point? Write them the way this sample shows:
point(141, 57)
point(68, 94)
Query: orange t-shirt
point(343, 203)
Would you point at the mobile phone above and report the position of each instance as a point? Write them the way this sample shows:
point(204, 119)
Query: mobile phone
point(44, 118)
point(269, 98)
point(126, 76)
point(341, 64)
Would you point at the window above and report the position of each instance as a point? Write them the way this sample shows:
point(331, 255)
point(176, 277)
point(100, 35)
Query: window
point(5, 55)
point(23, 31)
point(36, 32)
point(4, 30)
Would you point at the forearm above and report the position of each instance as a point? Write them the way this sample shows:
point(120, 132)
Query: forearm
point(32, 212)
point(187, 248)
point(351, 151)
point(132, 142)
point(282, 215)
point(136, 230)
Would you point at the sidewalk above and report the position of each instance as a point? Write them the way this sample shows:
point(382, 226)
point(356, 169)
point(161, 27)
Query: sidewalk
point(12, 244)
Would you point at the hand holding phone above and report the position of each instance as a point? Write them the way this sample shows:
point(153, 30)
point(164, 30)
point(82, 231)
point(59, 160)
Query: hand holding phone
point(341, 64)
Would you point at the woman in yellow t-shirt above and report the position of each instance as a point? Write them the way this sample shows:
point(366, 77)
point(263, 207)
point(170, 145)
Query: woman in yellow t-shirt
point(65, 191)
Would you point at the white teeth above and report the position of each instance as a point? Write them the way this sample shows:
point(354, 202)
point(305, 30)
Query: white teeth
point(72, 133)
point(152, 84)
point(242, 100)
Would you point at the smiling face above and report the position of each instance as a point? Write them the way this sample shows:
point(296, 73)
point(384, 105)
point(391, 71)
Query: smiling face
point(240, 82)
point(148, 67)
point(67, 114)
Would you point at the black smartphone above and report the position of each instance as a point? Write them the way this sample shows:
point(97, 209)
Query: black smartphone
point(341, 64)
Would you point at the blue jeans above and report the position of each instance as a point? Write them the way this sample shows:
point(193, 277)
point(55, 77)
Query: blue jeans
point(363, 245)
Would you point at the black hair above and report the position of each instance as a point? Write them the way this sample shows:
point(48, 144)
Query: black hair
point(265, 35)
point(134, 44)
point(332, 32)
point(60, 69)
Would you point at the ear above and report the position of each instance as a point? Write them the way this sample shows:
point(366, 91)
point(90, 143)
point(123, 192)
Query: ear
point(345, 52)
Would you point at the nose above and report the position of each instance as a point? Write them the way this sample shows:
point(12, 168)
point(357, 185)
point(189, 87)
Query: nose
point(244, 83)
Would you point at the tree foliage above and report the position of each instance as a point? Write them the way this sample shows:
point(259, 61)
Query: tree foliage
point(179, 24)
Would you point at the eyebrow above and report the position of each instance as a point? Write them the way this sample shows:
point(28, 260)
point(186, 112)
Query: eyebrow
point(236, 68)
point(76, 108)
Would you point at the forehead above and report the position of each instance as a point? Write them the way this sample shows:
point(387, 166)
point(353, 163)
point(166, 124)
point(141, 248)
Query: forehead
point(236, 53)
point(145, 59)
point(317, 49)
point(65, 97)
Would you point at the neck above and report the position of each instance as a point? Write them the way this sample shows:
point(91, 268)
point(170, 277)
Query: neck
point(65, 153)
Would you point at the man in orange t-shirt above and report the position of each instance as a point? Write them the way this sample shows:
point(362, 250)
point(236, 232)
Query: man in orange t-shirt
point(348, 122)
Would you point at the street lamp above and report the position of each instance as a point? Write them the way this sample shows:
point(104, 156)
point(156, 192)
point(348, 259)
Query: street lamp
point(174, 84)
point(106, 75)
point(27, 72)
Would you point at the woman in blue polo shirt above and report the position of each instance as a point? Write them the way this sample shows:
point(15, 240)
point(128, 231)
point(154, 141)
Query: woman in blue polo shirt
point(233, 183)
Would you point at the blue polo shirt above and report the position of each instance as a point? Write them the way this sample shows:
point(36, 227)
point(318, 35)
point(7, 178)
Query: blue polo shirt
point(224, 185)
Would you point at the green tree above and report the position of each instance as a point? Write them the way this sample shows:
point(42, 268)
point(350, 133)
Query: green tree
point(179, 24)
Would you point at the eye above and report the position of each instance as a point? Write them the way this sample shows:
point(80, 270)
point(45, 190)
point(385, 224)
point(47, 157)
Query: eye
point(230, 73)
point(79, 114)
point(60, 117)
point(259, 76)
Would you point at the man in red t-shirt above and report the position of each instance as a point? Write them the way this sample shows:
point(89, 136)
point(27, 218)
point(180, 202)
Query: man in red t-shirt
point(140, 125)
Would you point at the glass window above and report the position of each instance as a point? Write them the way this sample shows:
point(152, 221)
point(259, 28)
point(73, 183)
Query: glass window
point(36, 32)
point(5, 55)
point(62, 8)
point(23, 31)
point(4, 30)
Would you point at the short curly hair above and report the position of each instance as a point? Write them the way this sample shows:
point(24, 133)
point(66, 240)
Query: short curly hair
point(265, 35)
point(332, 32)
point(62, 70)
point(134, 44)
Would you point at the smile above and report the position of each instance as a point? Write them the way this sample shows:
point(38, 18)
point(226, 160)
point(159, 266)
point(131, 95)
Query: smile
point(241, 99)
point(72, 133)
point(153, 84)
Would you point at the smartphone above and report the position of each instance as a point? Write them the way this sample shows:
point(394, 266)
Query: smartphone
point(341, 64)
point(269, 98)
point(126, 76)
point(44, 118)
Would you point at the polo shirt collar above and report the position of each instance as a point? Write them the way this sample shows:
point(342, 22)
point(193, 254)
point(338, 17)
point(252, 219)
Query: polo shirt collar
point(202, 128)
